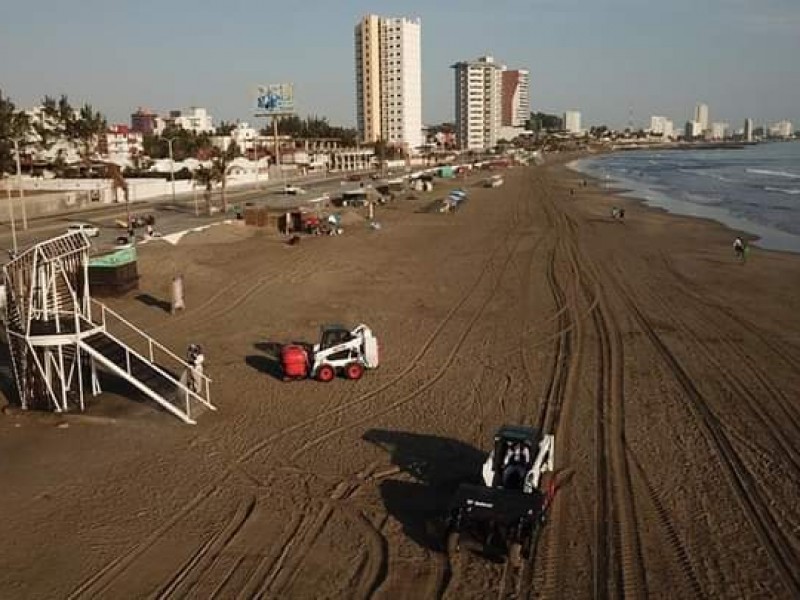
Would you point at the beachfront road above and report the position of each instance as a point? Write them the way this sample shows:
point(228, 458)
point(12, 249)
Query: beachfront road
point(170, 217)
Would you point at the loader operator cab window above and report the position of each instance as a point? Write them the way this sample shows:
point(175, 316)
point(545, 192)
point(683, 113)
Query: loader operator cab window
point(334, 337)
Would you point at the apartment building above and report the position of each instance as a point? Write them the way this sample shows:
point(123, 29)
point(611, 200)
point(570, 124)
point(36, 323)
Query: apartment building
point(388, 65)
point(478, 110)
point(515, 97)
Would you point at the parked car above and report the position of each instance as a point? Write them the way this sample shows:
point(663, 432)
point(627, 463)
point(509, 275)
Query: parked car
point(88, 229)
point(293, 190)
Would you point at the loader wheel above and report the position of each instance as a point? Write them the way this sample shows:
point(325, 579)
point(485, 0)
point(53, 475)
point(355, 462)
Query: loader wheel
point(354, 370)
point(326, 373)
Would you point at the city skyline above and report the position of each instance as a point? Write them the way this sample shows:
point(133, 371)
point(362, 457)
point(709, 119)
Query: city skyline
point(607, 60)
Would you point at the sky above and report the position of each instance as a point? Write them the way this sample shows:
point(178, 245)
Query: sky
point(610, 59)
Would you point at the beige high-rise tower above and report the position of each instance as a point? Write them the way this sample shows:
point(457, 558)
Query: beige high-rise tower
point(368, 78)
point(389, 81)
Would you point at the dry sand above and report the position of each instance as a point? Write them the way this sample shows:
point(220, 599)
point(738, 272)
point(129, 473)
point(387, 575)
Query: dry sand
point(669, 373)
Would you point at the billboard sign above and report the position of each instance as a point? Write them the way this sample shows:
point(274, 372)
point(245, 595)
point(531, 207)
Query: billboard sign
point(274, 99)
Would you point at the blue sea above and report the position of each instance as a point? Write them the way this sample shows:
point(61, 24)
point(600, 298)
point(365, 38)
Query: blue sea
point(755, 189)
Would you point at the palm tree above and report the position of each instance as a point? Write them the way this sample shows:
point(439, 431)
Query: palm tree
point(90, 125)
point(205, 177)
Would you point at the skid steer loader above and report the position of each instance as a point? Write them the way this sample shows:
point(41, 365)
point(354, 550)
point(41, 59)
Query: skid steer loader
point(508, 510)
point(340, 351)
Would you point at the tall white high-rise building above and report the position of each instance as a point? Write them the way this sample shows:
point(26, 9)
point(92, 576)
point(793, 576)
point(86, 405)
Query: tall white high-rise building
point(572, 121)
point(389, 81)
point(478, 103)
point(701, 115)
point(748, 130)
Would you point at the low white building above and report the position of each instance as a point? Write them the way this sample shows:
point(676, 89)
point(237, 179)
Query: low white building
point(511, 133)
point(244, 136)
point(120, 144)
point(351, 159)
point(781, 129)
point(662, 126)
point(719, 131)
point(191, 119)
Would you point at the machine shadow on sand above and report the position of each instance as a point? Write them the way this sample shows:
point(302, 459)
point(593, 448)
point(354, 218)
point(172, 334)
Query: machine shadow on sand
point(438, 465)
point(269, 361)
point(149, 300)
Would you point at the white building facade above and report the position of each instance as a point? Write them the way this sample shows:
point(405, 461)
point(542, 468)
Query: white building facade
point(192, 119)
point(701, 116)
point(781, 129)
point(121, 144)
point(661, 126)
point(389, 81)
point(478, 96)
point(719, 131)
point(572, 121)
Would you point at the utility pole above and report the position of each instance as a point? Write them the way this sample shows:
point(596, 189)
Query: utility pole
point(277, 147)
point(19, 185)
point(194, 188)
point(255, 153)
point(11, 216)
point(171, 166)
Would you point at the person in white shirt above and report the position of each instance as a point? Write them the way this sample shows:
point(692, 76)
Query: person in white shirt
point(739, 248)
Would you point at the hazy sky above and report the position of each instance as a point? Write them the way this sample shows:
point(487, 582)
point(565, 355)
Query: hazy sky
point(602, 57)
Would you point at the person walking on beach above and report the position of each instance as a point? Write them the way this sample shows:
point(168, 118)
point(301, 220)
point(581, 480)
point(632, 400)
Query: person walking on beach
point(739, 249)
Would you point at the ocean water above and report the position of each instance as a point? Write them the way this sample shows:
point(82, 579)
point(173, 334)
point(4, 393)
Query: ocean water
point(755, 189)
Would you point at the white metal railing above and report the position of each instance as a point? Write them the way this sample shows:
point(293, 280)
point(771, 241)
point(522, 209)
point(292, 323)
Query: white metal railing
point(202, 395)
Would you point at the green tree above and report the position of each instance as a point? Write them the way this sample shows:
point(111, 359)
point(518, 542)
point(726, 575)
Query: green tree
point(205, 177)
point(219, 166)
point(89, 125)
point(14, 124)
point(225, 128)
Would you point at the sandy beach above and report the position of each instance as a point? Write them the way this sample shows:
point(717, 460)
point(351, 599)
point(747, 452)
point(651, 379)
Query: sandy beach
point(669, 373)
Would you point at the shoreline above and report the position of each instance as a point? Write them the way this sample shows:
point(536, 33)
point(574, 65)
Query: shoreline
point(754, 233)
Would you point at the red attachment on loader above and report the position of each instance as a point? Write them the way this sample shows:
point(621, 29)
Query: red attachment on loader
point(294, 362)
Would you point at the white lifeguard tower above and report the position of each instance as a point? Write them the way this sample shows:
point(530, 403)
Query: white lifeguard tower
point(60, 338)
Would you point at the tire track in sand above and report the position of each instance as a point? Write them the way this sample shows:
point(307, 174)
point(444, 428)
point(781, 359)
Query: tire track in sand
point(756, 509)
point(115, 568)
point(317, 524)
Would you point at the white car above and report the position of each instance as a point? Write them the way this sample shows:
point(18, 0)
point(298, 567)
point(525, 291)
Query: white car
point(86, 228)
point(293, 190)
